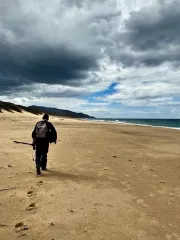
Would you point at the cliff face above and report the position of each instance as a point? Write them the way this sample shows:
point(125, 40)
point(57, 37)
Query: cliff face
point(11, 107)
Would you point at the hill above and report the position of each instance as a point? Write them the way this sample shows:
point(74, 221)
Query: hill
point(59, 112)
point(11, 107)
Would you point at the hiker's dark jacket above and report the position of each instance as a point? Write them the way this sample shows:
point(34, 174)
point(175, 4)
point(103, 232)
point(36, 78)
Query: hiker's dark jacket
point(42, 145)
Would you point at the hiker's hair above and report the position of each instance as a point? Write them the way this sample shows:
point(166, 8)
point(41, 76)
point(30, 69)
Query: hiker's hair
point(46, 117)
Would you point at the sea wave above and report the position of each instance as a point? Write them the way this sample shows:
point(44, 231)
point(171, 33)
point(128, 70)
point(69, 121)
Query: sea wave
point(116, 121)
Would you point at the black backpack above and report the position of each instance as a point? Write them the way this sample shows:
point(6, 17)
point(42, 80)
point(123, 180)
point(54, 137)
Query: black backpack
point(42, 130)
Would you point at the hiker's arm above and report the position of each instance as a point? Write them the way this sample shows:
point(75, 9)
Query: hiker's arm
point(34, 132)
point(53, 130)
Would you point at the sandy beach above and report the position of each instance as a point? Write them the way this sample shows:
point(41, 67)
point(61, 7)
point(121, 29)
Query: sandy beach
point(104, 182)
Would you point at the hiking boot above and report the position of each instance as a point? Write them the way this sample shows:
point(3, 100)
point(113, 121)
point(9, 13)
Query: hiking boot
point(38, 172)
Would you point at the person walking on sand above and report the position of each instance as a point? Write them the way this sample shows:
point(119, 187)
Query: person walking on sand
point(43, 134)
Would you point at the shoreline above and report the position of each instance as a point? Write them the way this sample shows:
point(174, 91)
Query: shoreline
point(133, 124)
point(100, 121)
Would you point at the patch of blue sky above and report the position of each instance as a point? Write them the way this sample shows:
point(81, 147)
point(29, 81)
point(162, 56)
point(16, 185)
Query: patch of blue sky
point(109, 91)
point(176, 98)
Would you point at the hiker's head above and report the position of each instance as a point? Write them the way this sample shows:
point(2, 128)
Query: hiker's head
point(46, 117)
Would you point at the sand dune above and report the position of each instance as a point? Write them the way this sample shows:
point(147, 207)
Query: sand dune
point(104, 182)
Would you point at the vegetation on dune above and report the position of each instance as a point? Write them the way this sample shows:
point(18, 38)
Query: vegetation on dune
point(11, 107)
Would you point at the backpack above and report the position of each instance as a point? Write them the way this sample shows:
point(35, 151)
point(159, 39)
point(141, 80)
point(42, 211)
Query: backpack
point(41, 130)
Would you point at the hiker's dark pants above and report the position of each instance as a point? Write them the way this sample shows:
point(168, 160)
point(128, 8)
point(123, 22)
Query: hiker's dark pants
point(42, 147)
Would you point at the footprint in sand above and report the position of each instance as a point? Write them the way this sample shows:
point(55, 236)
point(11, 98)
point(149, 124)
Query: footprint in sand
point(3, 225)
point(20, 227)
point(40, 183)
point(30, 193)
point(31, 207)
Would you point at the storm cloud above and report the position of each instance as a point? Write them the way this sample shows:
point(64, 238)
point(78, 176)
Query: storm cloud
point(154, 28)
point(150, 37)
point(58, 50)
point(42, 64)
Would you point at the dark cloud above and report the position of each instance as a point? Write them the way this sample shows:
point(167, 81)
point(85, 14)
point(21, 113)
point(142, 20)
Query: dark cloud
point(42, 91)
point(62, 94)
point(107, 17)
point(28, 56)
point(53, 43)
point(41, 64)
point(151, 36)
point(153, 28)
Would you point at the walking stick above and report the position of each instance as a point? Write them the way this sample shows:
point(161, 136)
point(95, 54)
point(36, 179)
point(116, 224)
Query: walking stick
point(30, 144)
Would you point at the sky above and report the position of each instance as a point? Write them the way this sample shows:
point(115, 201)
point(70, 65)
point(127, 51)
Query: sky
point(105, 58)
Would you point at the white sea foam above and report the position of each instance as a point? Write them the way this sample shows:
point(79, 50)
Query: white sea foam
point(135, 124)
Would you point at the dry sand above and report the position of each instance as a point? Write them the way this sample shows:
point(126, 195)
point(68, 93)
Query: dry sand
point(105, 182)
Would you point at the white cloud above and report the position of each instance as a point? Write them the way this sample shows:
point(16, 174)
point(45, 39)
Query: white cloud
point(147, 87)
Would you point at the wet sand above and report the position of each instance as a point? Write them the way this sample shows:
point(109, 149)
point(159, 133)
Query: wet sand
point(104, 181)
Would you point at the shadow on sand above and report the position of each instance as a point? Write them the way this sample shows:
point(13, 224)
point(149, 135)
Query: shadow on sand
point(67, 176)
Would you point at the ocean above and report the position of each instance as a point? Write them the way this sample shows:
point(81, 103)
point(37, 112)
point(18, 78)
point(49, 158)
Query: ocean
point(168, 123)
